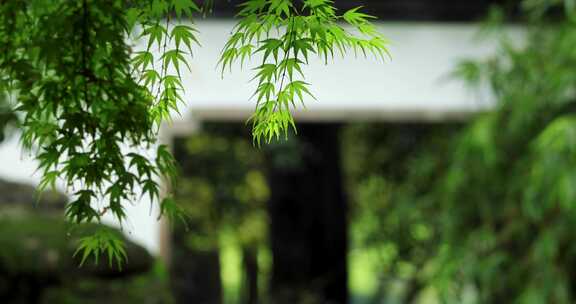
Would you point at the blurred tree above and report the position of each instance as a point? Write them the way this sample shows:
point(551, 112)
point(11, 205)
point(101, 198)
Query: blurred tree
point(387, 166)
point(223, 190)
point(499, 202)
point(507, 199)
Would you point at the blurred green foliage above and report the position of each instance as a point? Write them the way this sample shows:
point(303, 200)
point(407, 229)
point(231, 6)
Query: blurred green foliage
point(392, 234)
point(223, 185)
point(486, 215)
point(148, 288)
point(37, 265)
point(224, 193)
point(8, 119)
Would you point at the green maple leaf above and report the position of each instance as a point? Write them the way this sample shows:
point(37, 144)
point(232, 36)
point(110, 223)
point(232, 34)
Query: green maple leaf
point(186, 6)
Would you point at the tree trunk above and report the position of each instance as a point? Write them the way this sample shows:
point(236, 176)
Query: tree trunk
point(250, 265)
point(308, 225)
point(194, 272)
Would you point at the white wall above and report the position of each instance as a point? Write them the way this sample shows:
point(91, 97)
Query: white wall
point(412, 85)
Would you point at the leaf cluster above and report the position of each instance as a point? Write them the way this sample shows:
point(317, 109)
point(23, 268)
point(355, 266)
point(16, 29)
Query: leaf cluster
point(89, 105)
point(283, 34)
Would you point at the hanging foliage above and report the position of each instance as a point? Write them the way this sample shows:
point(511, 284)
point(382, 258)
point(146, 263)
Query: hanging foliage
point(89, 103)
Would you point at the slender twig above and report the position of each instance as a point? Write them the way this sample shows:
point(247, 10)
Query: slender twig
point(164, 70)
point(291, 38)
point(85, 41)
